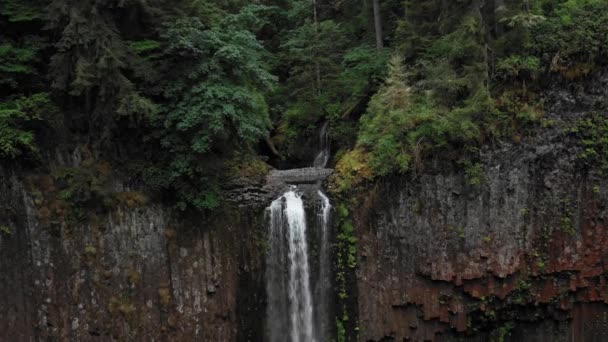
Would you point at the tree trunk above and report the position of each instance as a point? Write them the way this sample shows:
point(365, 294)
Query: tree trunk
point(499, 9)
point(378, 25)
point(317, 66)
point(272, 148)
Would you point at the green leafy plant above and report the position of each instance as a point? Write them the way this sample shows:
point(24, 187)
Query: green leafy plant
point(18, 117)
point(593, 135)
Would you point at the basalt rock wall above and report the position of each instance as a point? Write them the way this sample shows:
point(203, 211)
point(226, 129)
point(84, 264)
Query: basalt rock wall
point(518, 254)
point(137, 271)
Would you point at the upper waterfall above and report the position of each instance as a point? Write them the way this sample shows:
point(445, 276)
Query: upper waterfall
point(323, 156)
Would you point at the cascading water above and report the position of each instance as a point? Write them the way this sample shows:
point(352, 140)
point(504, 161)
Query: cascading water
point(323, 285)
point(289, 295)
point(323, 156)
point(298, 301)
point(276, 279)
point(299, 276)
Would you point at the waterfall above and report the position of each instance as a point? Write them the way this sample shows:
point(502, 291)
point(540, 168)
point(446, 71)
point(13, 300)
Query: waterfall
point(276, 280)
point(298, 287)
point(299, 276)
point(323, 156)
point(288, 220)
point(323, 285)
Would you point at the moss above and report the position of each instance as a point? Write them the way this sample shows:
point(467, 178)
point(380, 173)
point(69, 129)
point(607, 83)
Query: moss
point(474, 173)
point(417, 208)
point(123, 306)
point(340, 330)
point(459, 231)
point(346, 263)
point(71, 196)
point(540, 260)
point(90, 250)
point(352, 170)
point(566, 225)
point(541, 264)
point(245, 166)
point(521, 293)
point(88, 184)
point(133, 276)
point(6, 230)
point(592, 132)
point(164, 294)
point(503, 332)
point(348, 241)
point(132, 199)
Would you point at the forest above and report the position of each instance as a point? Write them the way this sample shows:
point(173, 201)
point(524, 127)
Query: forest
point(176, 93)
point(303, 170)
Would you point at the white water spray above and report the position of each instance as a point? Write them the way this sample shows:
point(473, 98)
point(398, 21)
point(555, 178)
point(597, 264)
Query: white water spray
point(299, 275)
point(323, 288)
point(287, 214)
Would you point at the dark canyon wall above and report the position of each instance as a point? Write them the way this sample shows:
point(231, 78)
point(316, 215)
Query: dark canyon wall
point(135, 272)
point(521, 256)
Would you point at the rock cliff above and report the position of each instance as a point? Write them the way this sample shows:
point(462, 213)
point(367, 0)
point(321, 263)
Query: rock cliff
point(137, 272)
point(517, 254)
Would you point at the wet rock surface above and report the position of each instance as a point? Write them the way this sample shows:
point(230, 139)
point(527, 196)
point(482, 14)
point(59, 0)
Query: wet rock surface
point(246, 193)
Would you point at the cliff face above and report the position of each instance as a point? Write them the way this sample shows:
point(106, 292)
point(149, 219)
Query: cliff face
point(136, 272)
point(519, 256)
point(518, 253)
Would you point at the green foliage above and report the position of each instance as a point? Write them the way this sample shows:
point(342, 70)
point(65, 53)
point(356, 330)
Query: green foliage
point(248, 167)
point(16, 61)
point(566, 224)
point(461, 83)
point(311, 48)
point(351, 171)
point(148, 48)
point(23, 10)
point(225, 85)
point(195, 81)
point(573, 34)
point(329, 72)
point(346, 263)
point(402, 121)
point(518, 66)
point(474, 173)
point(593, 134)
point(340, 330)
point(362, 66)
point(18, 116)
point(400, 124)
point(216, 99)
point(503, 332)
point(89, 184)
point(6, 230)
point(346, 248)
point(347, 238)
